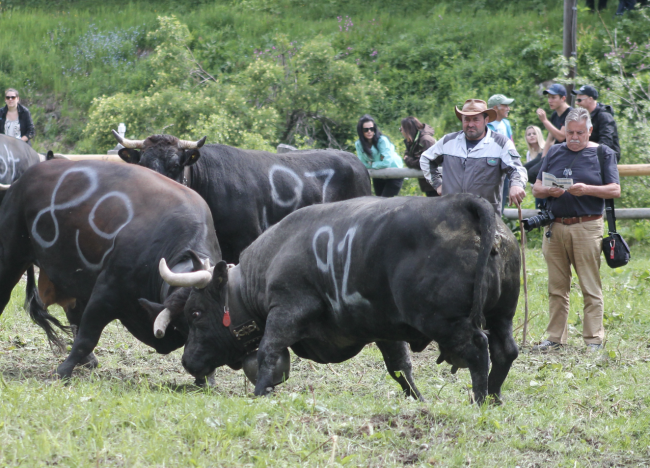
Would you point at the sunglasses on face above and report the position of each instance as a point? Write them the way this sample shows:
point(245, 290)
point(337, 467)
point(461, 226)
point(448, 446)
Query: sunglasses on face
point(8, 98)
point(580, 100)
point(371, 129)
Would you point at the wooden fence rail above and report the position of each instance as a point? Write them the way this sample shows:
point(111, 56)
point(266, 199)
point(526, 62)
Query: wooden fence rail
point(624, 170)
point(621, 213)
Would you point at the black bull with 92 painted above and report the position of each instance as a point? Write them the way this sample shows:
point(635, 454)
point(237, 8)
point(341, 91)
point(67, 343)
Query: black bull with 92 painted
point(328, 279)
point(99, 230)
point(248, 191)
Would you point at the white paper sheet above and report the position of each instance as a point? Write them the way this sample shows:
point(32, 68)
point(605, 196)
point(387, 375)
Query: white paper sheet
point(549, 180)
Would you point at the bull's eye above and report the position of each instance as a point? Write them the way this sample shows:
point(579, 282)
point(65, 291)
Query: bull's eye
point(196, 314)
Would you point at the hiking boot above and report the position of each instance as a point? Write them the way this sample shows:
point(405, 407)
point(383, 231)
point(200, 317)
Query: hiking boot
point(546, 346)
point(593, 347)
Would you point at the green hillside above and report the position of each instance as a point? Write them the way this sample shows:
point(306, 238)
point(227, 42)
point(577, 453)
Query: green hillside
point(255, 73)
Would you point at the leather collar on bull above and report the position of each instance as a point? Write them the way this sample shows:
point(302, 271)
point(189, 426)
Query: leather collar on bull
point(244, 329)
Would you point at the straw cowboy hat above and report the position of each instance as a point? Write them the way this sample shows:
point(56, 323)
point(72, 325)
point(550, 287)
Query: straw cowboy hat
point(475, 107)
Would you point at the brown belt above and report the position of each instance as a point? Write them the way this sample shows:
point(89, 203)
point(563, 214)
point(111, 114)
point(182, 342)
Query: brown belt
point(576, 220)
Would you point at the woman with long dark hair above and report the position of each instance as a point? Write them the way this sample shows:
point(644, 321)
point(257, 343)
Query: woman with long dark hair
point(418, 137)
point(377, 152)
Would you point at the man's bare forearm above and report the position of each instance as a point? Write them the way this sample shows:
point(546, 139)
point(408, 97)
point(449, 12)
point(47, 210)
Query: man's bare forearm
point(558, 135)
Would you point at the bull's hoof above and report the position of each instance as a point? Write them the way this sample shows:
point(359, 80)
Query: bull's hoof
point(89, 362)
point(206, 381)
point(264, 392)
point(57, 376)
point(480, 399)
point(494, 400)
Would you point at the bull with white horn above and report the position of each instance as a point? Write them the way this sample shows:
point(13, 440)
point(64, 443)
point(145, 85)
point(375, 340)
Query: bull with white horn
point(104, 248)
point(240, 333)
point(252, 190)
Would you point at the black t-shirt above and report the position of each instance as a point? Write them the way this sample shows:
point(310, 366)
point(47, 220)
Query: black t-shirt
point(586, 170)
point(558, 120)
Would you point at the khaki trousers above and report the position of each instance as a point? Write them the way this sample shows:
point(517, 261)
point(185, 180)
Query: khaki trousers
point(578, 245)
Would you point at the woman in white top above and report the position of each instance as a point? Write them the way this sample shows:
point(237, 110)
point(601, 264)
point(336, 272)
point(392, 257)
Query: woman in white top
point(15, 119)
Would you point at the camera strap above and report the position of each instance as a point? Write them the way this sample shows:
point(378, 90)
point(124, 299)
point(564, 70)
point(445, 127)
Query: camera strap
point(609, 203)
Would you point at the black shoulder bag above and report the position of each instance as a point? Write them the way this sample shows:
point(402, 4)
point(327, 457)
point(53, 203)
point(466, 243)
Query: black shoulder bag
point(615, 249)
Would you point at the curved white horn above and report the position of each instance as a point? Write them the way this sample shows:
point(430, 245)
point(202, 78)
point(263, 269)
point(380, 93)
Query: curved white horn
point(128, 143)
point(4, 187)
point(186, 144)
point(161, 323)
point(198, 279)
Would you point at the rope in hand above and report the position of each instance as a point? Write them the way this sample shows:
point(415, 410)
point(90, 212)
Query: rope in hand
point(523, 257)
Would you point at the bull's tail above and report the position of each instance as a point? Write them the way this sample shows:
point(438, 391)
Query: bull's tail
point(39, 314)
point(487, 228)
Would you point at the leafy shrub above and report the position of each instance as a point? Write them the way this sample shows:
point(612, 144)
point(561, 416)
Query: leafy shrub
point(294, 92)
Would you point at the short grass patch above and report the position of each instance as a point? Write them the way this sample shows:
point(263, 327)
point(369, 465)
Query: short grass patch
point(138, 408)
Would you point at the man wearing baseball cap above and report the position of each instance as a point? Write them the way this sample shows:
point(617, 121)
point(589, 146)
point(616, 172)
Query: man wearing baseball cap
point(501, 105)
point(475, 160)
point(602, 118)
point(556, 97)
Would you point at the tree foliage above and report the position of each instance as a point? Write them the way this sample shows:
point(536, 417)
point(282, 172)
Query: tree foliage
point(289, 93)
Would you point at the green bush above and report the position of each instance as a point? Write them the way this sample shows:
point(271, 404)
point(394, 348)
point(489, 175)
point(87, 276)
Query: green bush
point(292, 94)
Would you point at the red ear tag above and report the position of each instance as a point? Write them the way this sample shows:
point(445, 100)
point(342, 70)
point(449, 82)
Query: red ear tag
point(226, 317)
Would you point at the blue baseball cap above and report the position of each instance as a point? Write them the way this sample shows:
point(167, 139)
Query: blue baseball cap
point(587, 90)
point(556, 89)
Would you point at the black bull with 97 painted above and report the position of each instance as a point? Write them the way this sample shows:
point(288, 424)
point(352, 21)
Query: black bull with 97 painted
point(329, 279)
point(98, 230)
point(248, 191)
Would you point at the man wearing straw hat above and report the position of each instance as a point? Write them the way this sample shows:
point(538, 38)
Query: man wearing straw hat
point(475, 160)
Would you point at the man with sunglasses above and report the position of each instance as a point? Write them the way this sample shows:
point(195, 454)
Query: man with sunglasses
point(15, 119)
point(602, 118)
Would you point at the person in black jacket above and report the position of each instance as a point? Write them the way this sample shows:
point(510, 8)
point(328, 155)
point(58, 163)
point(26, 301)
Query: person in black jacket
point(15, 119)
point(418, 137)
point(602, 118)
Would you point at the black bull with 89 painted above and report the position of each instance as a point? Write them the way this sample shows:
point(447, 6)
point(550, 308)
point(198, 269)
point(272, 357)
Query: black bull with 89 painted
point(329, 279)
point(98, 230)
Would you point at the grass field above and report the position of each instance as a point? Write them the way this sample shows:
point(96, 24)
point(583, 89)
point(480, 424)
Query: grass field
point(141, 409)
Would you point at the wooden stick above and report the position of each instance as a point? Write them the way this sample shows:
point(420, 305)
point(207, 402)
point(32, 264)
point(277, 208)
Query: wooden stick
point(523, 258)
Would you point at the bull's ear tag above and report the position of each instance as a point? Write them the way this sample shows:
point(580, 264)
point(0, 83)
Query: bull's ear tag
point(226, 317)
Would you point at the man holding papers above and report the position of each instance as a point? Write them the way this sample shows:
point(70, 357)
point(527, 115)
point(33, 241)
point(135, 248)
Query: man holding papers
point(570, 179)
